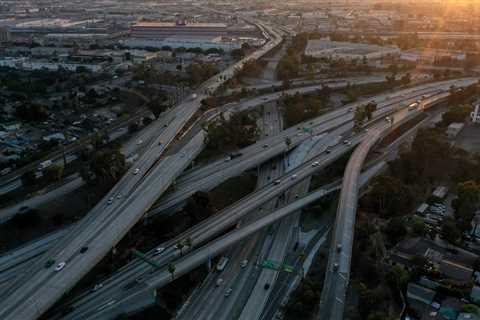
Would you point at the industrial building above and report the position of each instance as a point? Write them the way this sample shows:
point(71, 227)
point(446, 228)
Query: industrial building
point(162, 30)
point(335, 50)
point(475, 115)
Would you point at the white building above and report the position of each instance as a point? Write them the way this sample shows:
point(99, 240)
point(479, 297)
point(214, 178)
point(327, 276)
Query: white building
point(335, 50)
point(185, 42)
point(454, 129)
point(476, 114)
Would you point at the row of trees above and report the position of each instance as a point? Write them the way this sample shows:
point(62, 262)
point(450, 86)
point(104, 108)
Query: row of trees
point(237, 132)
point(299, 108)
point(363, 113)
point(289, 66)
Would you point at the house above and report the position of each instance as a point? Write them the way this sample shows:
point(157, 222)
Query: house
point(453, 263)
point(467, 316)
point(475, 294)
point(455, 271)
point(419, 298)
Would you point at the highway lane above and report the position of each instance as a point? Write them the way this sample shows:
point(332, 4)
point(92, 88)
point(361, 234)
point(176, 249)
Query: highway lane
point(284, 237)
point(216, 172)
point(235, 212)
point(99, 238)
point(205, 171)
point(260, 196)
point(337, 276)
point(206, 299)
point(32, 295)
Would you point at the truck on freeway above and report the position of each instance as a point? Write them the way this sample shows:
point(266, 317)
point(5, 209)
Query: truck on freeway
point(44, 164)
point(222, 263)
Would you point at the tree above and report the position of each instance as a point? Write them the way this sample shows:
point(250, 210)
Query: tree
point(389, 196)
point(456, 114)
point(397, 277)
point(395, 230)
point(237, 54)
point(188, 242)
point(406, 79)
point(107, 166)
point(29, 178)
point(180, 245)
point(54, 173)
point(419, 228)
point(468, 196)
point(288, 142)
point(171, 269)
point(450, 231)
point(358, 119)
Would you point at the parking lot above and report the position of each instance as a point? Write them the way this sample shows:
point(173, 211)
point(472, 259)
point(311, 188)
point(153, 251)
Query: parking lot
point(469, 138)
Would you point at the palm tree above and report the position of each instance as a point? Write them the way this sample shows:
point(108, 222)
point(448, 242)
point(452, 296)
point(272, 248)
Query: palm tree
point(180, 246)
point(171, 269)
point(188, 242)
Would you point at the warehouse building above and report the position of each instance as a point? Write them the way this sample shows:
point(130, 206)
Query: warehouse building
point(335, 50)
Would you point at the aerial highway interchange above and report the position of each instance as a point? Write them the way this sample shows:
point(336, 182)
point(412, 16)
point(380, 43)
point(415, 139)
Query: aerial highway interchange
point(238, 231)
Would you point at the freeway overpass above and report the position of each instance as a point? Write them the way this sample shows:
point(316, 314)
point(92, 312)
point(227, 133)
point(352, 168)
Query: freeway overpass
point(259, 200)
point(39, 287)
point(201, 233)
point(205, 177)
point(332, 303)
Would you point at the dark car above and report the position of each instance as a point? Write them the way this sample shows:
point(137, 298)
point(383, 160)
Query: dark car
point(266, 286)
point(83, 249)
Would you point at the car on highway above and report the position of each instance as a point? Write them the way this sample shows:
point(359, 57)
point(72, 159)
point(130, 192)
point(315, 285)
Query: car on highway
point(265, 146)
point(244, 263)
point(222, 263)
point(276, 182)
point(294, 176)
point(339, 247)
point(83, 249)
point(328, 150)
point(159, 250)
point(266, 286)
point(110, 201)
point(219, 282)
point(119, 196)
point(139, 142)
point(96, 287)
point(228, 292)
point(315, 164)
point(136, 171)
point(60, 266)
point(335, 266)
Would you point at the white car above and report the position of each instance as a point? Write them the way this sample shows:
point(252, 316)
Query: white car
point(315, 164)
point(219, 282)
point(228, 292)
point(136, 171)
point(96, 287)
point(294, 177)
point(159, 250)
point(244, 263)
point(119, 196)
point(60, 266)
point(139, 142)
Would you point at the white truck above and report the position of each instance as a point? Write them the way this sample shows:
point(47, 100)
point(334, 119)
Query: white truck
point(222, 263)
point(44, 164)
